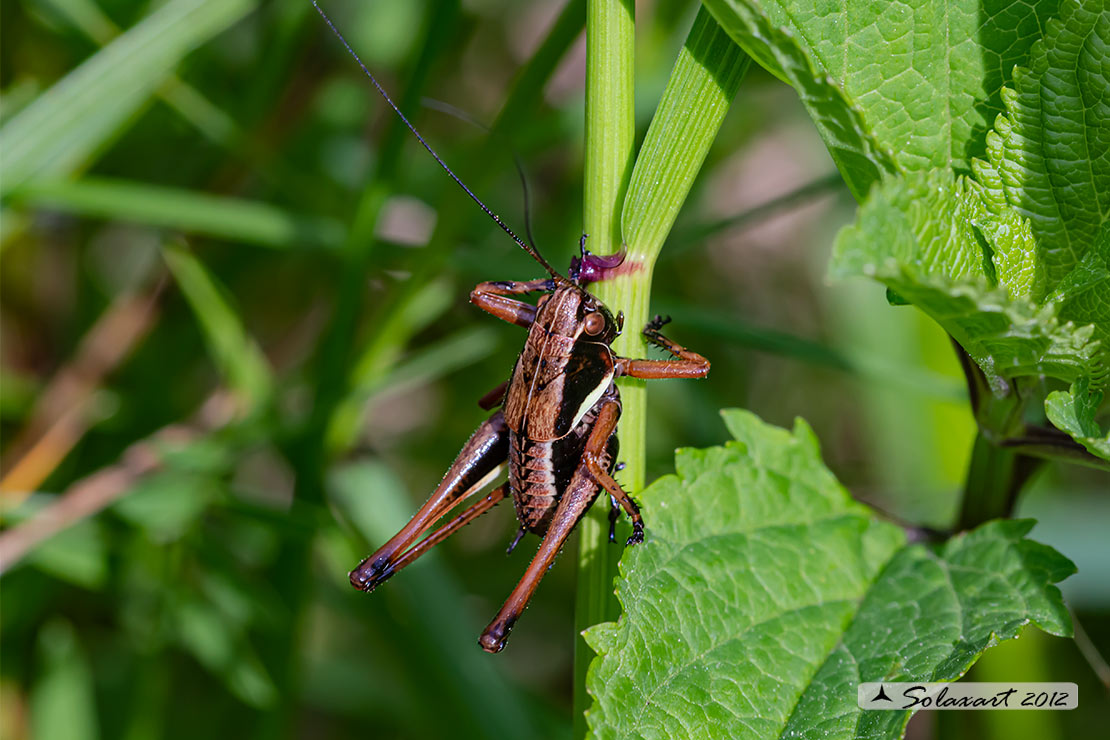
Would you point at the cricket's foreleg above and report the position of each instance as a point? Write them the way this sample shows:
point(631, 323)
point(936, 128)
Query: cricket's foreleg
point(493, 297)
point(481, 459)
point(689, 364)
point(579, 494)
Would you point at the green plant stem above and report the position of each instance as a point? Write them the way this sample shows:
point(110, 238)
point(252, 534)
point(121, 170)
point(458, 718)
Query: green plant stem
point(996, 473)
point(610, 131)
point(995, 477)
point(702, 85)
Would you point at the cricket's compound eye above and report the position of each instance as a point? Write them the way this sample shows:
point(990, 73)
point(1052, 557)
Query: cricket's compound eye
point(595, 323)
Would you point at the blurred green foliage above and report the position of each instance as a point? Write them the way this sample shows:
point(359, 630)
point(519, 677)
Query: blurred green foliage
point(313, 366)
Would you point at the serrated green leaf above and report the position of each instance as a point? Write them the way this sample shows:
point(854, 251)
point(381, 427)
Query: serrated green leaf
point(1075, 411)
point(931, 239)
point(63, 129)
point(923, 223)
point(1049, 156)
point(764, 594)
point(1037, 211)
point(861, 158)
point(946, 608)
point(921, 78)
point(1083, 296)
point(234, 351)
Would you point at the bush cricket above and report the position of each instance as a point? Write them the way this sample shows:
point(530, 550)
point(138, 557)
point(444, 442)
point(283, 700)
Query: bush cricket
point(555, 423)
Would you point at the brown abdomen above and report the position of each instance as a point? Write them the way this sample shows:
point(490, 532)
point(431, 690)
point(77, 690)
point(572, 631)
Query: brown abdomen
point(532, 482)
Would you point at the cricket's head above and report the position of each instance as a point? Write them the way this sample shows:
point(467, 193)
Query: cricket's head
point(570, 311)
point(598, 322)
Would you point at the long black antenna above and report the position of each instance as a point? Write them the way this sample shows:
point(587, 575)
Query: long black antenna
point(462, 115)
point(523, 245)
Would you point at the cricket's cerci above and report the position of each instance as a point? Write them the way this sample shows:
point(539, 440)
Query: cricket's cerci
point(555, 423)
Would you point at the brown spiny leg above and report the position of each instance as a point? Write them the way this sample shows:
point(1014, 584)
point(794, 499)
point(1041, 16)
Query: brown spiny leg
point(493, 297)
point(482, 457)
point(688, 365)
point(593, 461)
point(579, 494)
point(494, 398)
point(468, 515)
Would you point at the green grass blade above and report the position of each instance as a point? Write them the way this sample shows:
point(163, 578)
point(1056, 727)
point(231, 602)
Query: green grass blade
point(87, 17)
point(189, 102)
point(866, 367)
point(64, 128)
point(192, 212)
point(62, 701)
point(455, 351)
point(236, 355)
point(689, 237)
point(377, 366)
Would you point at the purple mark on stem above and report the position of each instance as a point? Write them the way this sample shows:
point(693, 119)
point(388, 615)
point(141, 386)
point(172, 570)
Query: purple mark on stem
point(595, 268)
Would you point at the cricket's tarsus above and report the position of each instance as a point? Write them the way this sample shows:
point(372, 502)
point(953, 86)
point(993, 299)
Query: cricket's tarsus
point(516, 540)
point(614, 514)
point(555, 423)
